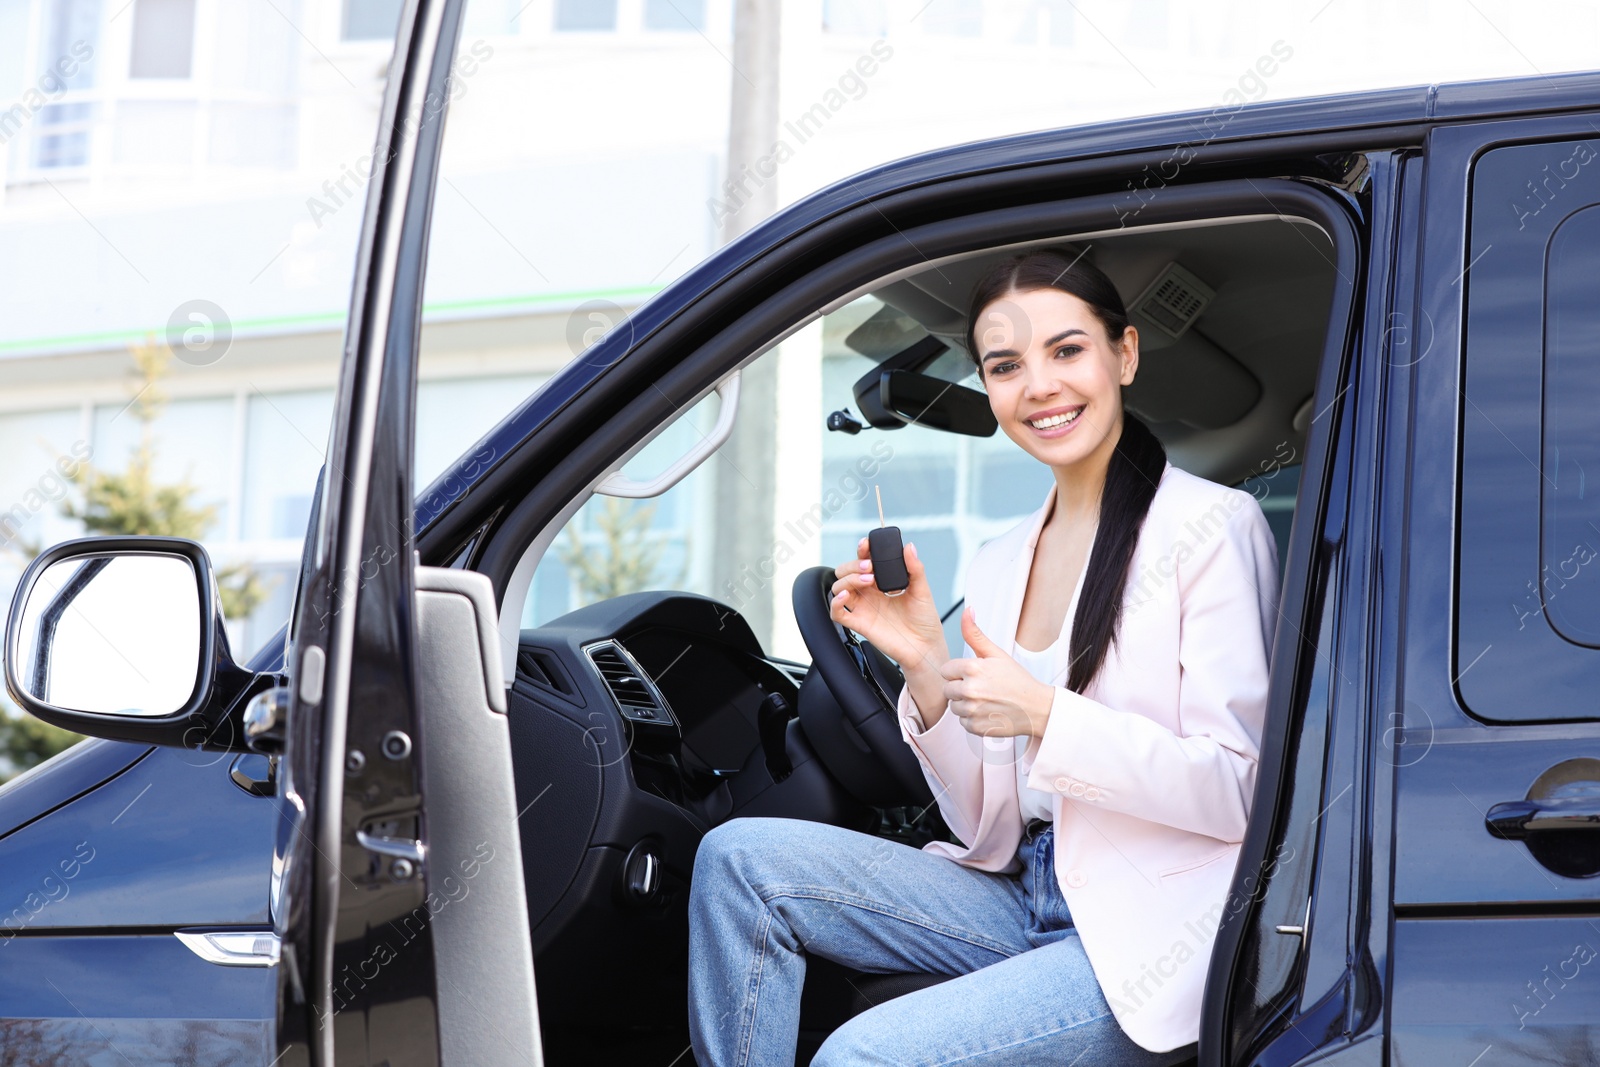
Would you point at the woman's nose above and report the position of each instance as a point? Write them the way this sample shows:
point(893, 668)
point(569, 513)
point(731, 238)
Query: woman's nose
point(1040, 384)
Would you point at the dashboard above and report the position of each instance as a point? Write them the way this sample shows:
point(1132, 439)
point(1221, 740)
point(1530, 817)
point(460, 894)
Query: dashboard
point(636, 726)
point(685, 677)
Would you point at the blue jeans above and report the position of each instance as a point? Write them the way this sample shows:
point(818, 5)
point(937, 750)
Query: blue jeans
point(767, 892)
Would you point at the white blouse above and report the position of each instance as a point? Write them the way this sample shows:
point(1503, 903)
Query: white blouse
point(1035, 803)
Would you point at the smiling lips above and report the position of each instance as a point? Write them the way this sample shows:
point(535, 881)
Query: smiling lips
point(1055, 418)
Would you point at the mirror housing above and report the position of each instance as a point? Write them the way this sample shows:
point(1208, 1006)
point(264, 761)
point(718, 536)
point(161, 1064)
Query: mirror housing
point(52, 618)
point(898, 393)
point(936, 403)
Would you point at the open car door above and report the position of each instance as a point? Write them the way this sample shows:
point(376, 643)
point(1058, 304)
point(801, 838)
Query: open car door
point(399, 890)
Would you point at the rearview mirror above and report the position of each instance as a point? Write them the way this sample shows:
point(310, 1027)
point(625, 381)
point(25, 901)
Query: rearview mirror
point(937, 404)
point(119, 637)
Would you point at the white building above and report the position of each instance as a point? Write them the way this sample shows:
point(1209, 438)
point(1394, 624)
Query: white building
point(195, 169)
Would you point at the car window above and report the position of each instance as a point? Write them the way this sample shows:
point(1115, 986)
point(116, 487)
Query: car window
point(1274, 485)
point(947, 493)
point(1529, 536)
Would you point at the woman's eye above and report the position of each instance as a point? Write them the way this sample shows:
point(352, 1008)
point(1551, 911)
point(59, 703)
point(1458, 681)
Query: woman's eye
point(1001, 368)
point(1069, 350)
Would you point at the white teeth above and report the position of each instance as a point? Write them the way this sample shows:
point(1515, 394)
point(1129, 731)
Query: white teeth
point(1055, 420)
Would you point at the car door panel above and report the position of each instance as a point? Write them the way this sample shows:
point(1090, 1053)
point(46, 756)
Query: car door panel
point(352, 684)
point(134, 998)
point(69, 774)
point(1517, 992)
point(367, 873)
point(171, 842)
point(1480, 924)
point(1446, 856)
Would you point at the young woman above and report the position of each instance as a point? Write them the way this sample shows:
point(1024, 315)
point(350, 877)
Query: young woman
point(1094, 748)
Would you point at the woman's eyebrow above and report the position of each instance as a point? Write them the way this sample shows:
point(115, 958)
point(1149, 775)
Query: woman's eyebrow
point(1057, 339)
point(1064, 334)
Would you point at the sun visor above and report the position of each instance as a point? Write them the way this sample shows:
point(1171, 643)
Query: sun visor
point(1192, 381)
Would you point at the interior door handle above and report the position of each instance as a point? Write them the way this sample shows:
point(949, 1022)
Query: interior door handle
point(396, 847)
point(619, 484)
point(1515, 820)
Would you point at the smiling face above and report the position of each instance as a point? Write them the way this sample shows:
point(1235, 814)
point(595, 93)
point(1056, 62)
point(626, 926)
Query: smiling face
point(1053, 376)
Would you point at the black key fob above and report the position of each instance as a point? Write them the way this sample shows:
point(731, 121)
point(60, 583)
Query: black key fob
point(888, 560)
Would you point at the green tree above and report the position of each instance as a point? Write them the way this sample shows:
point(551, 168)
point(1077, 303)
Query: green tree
point(131, 501)
point(625, 558)
point(27, 742)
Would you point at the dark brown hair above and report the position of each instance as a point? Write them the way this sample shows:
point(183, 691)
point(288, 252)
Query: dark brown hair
point(1136, 464)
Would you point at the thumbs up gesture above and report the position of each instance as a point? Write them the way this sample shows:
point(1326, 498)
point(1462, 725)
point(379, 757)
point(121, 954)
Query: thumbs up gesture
point(993, 694)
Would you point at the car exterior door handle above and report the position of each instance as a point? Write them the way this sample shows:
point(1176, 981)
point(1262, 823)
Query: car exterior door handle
point(1515, 820)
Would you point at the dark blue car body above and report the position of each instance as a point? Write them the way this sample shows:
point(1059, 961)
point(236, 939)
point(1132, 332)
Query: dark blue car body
point(1428, 938)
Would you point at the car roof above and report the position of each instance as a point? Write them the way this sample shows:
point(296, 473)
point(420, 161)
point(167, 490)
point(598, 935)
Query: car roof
point(1418, 105)
point(1398, 116)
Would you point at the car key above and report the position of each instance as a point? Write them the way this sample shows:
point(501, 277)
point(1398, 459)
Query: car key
point(888, 555)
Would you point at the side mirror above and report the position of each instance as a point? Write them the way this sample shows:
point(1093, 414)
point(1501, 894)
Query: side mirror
point(121, 637)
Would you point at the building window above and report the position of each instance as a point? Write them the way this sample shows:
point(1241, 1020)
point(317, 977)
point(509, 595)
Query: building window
point(675, 14)
point(855, 18)
point(71, 32)
point(499, 18)
point(285, 438)
point(955, 18)
point(41, 448)
point(586, 14)
point(61, 135)
point(1147, 23)
point(1048, 22)
point(163, 39)
point(370, 20)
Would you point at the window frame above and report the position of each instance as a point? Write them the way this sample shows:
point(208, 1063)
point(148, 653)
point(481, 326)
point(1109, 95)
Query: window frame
point(1499, 506)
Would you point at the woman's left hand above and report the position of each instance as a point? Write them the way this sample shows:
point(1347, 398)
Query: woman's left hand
point(993, 694)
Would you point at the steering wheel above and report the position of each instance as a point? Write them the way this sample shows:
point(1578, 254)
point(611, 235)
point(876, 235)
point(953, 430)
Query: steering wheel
point(857, 732)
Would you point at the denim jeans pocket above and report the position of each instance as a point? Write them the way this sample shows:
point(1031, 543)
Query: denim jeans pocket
point(1049, 905)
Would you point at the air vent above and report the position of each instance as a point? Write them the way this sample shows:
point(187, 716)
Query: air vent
point(529, 665)
point(1173, 301)
point(635, 695)
point(544, 667)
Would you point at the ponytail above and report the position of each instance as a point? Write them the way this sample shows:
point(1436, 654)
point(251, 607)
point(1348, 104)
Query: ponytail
point(1131, 479)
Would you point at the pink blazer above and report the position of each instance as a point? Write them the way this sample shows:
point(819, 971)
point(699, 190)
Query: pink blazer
point(1153, 769)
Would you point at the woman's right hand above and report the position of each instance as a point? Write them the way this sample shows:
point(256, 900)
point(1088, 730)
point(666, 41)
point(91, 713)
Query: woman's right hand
point(906, 627)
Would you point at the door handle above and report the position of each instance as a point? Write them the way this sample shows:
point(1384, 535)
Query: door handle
point(1515, 820)
point(395, 847)
point(1559, 820)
